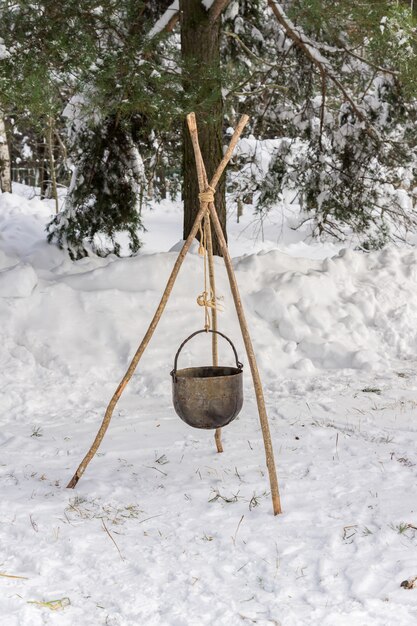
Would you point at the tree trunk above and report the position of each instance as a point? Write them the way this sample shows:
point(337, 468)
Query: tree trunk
point(43, 169)
point(200, 49)
point(51, 156)
point(5, 164)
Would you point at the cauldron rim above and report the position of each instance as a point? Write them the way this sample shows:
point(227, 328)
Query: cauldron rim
point(187, 372)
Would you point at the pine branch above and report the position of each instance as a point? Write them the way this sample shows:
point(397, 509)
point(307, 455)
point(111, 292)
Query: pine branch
point(378, 68)
point(310, 49)
point(167, 21)
point(248, 51)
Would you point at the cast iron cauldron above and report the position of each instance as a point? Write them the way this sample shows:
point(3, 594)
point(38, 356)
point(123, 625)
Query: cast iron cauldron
point(208, 396)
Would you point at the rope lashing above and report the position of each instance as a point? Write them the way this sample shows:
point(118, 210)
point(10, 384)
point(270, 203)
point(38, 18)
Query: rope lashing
point(207, 195)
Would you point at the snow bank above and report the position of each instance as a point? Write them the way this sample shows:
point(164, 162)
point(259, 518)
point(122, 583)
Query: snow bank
point(161, 530)
point(18, 281)
point(353, 311)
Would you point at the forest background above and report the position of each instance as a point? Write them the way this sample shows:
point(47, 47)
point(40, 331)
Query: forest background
point(93, 98)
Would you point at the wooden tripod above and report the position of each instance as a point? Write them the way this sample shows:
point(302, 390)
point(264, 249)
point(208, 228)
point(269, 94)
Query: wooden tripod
point(206, 207)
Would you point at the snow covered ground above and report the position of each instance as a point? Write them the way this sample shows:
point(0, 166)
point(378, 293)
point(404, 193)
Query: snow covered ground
point(161, 530)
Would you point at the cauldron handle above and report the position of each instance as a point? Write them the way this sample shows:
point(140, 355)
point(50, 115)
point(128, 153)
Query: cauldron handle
point(239, 365)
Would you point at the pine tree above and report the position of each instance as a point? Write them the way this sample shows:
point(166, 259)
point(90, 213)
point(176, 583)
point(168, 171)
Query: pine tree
point(95, 60)
point(118, 111)
point(331, 83)
point(108, 201)
point(341, 99)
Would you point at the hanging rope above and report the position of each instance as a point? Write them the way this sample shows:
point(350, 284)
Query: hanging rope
point(207, 298)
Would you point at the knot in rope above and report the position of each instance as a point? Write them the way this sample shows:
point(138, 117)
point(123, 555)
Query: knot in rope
point(207, 195)
point(207, 299)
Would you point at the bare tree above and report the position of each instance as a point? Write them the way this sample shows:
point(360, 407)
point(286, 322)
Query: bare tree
point(5, 164)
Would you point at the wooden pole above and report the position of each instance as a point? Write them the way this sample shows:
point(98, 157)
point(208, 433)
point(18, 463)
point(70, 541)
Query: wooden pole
point(263, 417)
point(162, 304)
point(214, 346)
point(202, 185)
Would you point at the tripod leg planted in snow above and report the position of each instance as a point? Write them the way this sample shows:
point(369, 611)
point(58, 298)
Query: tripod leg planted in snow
point(116, 396)
point(263, 417)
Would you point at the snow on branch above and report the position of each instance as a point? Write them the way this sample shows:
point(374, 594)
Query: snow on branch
point(171, 16)
point(310, 49)
point(167, 21)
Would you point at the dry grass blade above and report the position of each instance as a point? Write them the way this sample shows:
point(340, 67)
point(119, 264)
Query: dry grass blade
point(53, 605)
point(256, 621)
point(12, 576)
point(108, 532)
point(34, 524)
point(156, 468)
point(237, 530)
point(148, 518)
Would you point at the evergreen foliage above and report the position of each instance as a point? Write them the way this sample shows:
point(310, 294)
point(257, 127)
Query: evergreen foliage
point(343, 151)
point(333, 86)
point(106, 202)
point(92, 68)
